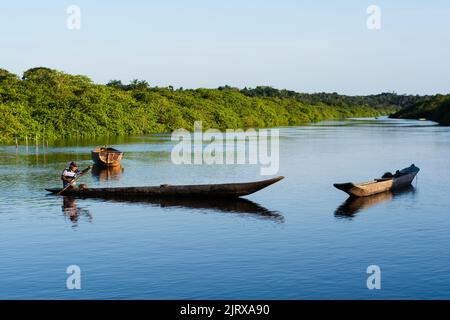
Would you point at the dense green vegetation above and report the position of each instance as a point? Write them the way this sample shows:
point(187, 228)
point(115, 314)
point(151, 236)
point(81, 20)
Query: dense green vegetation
point(436, 108)
point(52, 105)
point(376, 101)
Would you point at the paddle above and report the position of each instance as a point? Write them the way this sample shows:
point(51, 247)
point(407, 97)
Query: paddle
point(74, 180)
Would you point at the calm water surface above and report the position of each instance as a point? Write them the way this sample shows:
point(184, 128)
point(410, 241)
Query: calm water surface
point(298, 239)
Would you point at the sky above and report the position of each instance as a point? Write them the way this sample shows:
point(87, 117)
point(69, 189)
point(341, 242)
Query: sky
point(306, 46)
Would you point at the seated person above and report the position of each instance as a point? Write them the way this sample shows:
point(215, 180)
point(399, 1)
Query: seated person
point(70, 174)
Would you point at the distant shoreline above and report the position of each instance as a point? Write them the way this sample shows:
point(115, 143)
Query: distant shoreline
point(436, 108)
point(45, 105)
point(118, 139)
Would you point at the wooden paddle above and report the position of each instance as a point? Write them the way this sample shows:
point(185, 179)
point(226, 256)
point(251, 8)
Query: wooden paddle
point(74, 180)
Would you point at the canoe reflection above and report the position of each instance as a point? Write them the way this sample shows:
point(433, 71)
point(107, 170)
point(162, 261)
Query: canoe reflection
point(70, 210)
point(107, 173)
point(240, 206)
point(352, 206)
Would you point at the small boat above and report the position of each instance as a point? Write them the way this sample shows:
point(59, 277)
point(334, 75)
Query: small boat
point(226, 190)
point(402, 178)
point(106, 157)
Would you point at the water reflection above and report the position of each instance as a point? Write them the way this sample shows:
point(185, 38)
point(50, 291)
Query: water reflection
point(73, 212)
point(107, 173)
point(352, 206)
point(240, 206)
point(243, 207)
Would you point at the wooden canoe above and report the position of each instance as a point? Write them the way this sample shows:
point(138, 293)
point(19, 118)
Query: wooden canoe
point(400, 179)
point(227, 190)
point(106, 157)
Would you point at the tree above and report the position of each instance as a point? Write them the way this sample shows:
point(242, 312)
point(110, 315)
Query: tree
point(115, 84)
point(136, 84)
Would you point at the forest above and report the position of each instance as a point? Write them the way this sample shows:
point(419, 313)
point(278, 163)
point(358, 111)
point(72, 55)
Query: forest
point(435, 108)
point(54, 105)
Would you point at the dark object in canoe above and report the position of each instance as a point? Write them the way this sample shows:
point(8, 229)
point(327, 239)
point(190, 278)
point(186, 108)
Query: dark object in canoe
point(106, 157)
point(226, 190)
point(402, 178)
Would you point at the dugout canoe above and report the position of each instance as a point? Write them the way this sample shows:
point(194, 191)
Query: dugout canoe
point(402, 178)
point(226, 190)
point(106, 157)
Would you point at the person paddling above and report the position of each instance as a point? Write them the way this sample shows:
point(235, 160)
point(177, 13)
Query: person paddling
point(68, 175)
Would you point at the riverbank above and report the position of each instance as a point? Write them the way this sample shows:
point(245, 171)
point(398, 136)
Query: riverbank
point(47, 105)
point(436, 108)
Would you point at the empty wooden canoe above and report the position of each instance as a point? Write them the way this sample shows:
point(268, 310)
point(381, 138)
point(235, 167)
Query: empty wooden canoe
point(402, 178)
point(106, 157)
point(226, 190)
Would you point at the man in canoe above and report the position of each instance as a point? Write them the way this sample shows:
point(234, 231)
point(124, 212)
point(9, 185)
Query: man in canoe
point(69, 175)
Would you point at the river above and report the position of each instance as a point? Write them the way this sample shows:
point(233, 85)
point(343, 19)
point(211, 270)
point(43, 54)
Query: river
point(297, 239)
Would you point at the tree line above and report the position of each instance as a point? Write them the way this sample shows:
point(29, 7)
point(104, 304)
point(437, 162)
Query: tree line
point(435, 108)
point(55, 105)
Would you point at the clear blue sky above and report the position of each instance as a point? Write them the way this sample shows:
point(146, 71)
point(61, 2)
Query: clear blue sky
point(307, 46)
